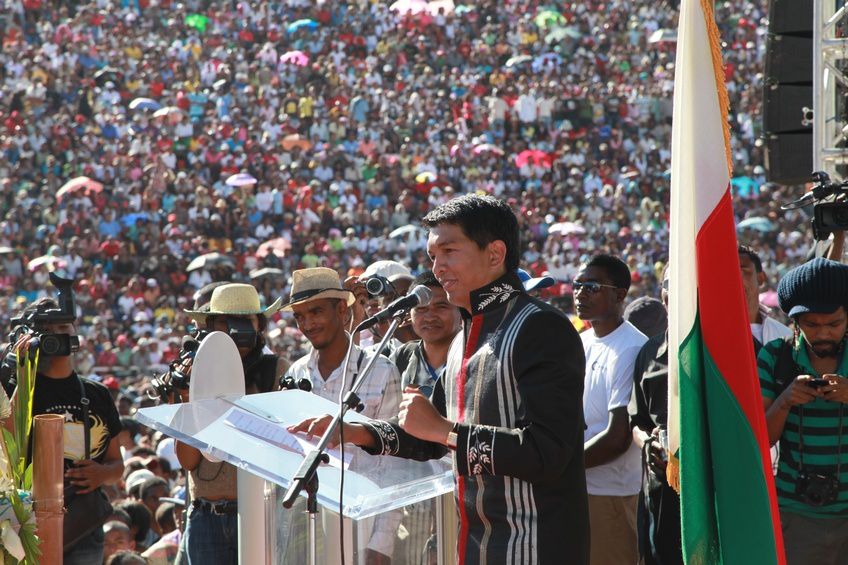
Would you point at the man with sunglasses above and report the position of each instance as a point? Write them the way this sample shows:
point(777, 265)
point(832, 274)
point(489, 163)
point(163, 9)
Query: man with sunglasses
point(613, 471)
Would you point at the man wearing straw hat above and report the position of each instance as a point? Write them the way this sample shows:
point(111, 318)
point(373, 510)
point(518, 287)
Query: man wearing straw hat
point(211, 534)
point(320, 307)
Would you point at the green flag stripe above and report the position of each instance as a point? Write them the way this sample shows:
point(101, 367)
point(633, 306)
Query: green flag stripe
point(725, 507)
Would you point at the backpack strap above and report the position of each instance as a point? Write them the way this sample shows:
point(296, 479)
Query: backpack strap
point(785, 367)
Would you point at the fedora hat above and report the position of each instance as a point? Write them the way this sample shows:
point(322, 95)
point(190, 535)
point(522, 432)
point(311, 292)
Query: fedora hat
point(315, 284)
point(234, 299)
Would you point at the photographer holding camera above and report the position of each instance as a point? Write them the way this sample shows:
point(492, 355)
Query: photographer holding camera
point(804, 393)
point(91, 451)
point(211, 534)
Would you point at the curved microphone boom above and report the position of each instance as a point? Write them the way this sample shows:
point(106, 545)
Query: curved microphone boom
point(418, 296)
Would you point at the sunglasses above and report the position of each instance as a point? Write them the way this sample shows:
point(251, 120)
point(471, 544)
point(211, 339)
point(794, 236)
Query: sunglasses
point(590, 287)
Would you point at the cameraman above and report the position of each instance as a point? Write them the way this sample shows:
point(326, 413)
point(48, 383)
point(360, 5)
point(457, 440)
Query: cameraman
point(57, 391)
point(211, 528)
point(804, 393)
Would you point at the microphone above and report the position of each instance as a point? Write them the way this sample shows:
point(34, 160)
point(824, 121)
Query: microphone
point(418, 296)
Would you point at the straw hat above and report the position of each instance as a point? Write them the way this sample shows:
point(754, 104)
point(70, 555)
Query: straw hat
point(234, 299)
point(316, 284)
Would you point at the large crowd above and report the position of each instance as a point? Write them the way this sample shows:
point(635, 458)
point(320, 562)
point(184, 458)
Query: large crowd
point(241, 140)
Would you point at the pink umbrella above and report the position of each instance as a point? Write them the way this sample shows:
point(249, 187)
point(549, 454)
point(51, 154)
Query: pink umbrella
point(278, 246)
point(537, 156)
point(79, 184)
point(487, 148)
point(298, 58)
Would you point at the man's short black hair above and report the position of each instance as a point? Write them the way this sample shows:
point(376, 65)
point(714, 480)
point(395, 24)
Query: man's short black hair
point(752, 255)
point(149, 485)
point(41, 305)
point(483, 219)
point(428, 279)
point(616, 269)
point(139, 517)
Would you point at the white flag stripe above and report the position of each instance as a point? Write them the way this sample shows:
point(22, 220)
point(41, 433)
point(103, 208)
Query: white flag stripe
point(699, 179)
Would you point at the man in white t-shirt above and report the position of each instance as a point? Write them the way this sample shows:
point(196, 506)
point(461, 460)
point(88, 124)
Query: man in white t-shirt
point(613, 470)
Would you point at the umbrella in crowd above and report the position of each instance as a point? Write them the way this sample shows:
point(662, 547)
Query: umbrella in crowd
point(559, 34)
point(409, 6)
point(145, 104)
point(518, 60)
point(130, 219)
point(278, 246)
point(663, 36)
point(464, 9)
point(173, 113)
point(209, 260)
point(296, 140)
point(534, 156)
point(426, 176)
point(45, 260)
point(487, 148)
point(241, 179)
point(107, 74)
point(406, 230)
point(79, 184)
point(757, 223)
point(549, 18)
point(6, 250)
point(298, 58)
point(266, 272)
point(197, 21)
point(302, 24)
point(567, 228)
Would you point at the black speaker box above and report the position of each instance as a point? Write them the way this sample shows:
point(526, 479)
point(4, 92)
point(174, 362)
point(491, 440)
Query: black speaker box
point(791, 16)
point(789, 59)
point(783, 107)
point(789, 157)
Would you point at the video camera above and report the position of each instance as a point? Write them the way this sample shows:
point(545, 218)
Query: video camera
point(33, 323)
point(178, 375)
point(830, 206)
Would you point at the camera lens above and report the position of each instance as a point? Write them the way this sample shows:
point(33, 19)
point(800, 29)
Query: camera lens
point(375, 286)
point(50, 345)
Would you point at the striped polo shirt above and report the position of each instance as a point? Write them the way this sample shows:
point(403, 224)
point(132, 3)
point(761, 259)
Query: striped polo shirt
point(820, 432)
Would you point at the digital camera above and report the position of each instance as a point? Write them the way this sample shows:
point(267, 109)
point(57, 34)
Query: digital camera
point(816, 489)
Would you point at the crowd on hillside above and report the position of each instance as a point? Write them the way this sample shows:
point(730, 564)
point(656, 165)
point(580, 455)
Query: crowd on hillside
point(335, 124)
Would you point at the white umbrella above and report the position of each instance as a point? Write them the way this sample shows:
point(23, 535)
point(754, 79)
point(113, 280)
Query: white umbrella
point(241, 179)
point(47, 260)
point(5, 250)
point(208, 260)
point(405, 230)
point(266, 272)
point(567, 228)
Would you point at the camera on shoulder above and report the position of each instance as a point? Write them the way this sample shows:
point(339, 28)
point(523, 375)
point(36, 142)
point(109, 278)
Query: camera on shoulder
point(33, 323)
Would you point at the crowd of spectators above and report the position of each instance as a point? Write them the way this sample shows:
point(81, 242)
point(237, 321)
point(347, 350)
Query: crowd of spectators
point(354, 119)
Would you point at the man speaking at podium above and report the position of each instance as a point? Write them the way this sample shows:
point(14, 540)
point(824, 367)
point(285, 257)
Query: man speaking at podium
point(510, 406)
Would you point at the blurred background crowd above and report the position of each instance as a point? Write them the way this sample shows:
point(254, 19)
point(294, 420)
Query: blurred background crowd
point(150, 147)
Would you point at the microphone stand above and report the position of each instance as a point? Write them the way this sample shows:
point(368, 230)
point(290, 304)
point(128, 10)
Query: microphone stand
point(306, 477)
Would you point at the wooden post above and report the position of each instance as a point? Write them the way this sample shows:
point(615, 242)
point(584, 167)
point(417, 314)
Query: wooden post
point(47, 485)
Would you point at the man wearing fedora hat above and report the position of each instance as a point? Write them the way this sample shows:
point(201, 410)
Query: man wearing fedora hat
point(320, 307)
point(805, 389)
point(211, 534)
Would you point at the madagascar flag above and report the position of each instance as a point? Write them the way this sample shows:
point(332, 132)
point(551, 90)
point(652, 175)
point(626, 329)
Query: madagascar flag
point(717, 424)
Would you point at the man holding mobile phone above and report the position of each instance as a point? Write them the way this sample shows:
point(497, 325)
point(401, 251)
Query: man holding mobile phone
point(804, 395)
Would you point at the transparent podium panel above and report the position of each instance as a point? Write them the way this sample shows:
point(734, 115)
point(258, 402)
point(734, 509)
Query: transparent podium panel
point(250, 433)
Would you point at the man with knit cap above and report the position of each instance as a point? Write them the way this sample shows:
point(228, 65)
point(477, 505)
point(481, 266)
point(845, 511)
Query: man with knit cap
point(804, 394)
